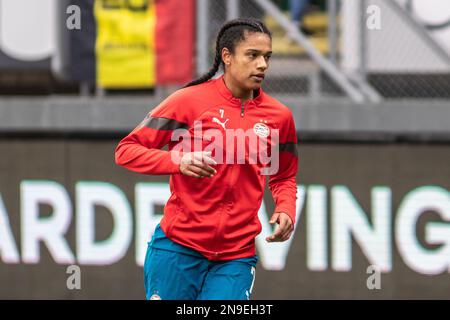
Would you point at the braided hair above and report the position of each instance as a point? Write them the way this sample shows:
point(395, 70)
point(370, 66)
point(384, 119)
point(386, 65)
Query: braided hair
point(229, 35)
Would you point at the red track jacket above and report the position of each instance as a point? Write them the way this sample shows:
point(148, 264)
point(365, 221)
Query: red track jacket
point(217, 216)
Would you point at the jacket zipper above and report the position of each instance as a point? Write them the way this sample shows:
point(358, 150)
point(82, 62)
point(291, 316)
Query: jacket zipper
point(227, 196)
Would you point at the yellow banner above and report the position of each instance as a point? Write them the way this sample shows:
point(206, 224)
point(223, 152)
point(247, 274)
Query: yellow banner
point(125, 44)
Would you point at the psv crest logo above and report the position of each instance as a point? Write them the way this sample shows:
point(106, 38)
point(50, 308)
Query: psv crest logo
point(261, 130)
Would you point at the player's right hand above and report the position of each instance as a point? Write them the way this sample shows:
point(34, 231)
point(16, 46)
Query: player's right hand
point(198, 164)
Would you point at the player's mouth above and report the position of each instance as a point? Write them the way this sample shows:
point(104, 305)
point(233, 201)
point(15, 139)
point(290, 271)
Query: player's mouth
point(258, 77)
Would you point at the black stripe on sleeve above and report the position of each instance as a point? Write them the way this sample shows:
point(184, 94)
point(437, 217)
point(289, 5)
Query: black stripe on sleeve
point(163, 123)
point(289, 147)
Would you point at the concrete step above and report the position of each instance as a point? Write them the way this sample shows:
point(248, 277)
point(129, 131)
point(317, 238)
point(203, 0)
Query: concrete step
point(317, 21)
point(283, 45)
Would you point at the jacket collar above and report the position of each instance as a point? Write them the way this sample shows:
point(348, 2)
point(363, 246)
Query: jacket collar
point(226, 93)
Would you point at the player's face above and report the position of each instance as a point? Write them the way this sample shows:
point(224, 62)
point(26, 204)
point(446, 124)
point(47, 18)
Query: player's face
point(250, 61)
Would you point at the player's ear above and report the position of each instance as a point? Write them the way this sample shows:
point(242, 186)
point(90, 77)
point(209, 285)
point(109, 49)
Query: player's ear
point(226, 56)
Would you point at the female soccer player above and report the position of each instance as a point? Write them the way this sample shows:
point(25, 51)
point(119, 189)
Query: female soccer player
point(204, 246)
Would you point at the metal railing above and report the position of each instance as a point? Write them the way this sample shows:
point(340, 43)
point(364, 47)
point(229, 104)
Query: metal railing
point(309, 70)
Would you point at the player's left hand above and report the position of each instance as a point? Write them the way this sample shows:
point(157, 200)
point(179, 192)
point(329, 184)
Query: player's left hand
point(284, 229)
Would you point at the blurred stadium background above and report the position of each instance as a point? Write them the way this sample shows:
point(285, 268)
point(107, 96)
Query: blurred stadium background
point(370, 92)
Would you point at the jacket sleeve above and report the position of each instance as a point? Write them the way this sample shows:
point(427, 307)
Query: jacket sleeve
point(140, 150)
point(283, 184)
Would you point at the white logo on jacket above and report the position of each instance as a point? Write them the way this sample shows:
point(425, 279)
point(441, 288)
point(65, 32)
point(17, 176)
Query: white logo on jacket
point(261, 130)
point(221, 123)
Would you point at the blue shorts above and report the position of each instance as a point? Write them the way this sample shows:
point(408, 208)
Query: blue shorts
point(175, 272)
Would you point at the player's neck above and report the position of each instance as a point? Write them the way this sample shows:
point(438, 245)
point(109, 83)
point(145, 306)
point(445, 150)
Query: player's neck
point(236, 90)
